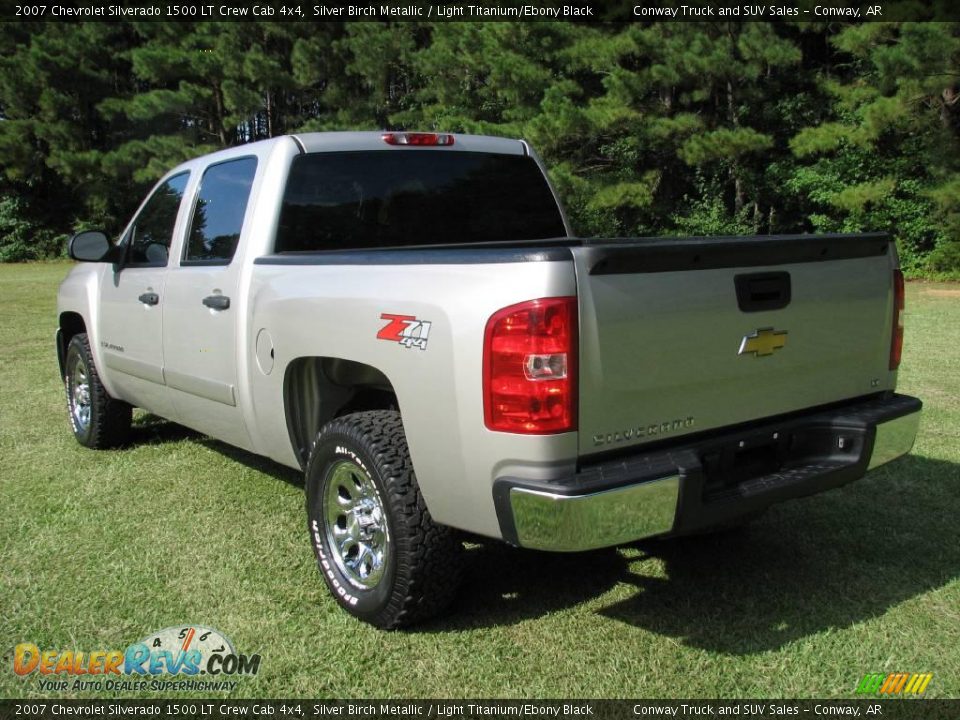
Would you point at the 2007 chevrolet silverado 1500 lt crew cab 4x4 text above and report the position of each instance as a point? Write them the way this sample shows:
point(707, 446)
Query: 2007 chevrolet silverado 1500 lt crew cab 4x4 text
point(408, 319)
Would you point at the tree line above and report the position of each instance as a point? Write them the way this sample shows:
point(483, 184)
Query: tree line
point(647, 128)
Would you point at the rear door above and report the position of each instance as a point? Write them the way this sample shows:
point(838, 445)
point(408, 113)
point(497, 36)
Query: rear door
point(201, 313)
point(132, 299)
point(679, 336)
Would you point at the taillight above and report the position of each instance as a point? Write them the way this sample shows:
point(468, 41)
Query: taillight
point(530, 367)
point(422, 139)
point(896, 341)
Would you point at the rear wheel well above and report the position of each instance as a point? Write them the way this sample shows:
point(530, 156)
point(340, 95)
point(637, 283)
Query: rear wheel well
point(318, 389)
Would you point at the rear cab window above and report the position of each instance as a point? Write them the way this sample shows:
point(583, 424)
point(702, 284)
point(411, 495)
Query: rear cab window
point(219, 211)
point(390, 199)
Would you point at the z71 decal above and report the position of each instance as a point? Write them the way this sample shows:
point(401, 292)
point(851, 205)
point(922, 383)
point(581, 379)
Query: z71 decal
point(406, 330)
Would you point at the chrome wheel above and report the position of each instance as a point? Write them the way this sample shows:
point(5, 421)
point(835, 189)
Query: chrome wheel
point(355, 524)
point(78, 392)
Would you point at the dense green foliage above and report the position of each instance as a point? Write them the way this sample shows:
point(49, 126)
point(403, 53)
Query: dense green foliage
point(669, 128)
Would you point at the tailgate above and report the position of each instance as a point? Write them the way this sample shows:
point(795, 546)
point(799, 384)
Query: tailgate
point(684, 335)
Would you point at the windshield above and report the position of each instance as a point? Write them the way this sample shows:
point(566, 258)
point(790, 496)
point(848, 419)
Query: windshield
point(396, 198)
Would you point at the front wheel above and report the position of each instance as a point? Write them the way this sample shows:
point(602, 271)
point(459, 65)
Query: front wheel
point(381, 555)
point(98, 420)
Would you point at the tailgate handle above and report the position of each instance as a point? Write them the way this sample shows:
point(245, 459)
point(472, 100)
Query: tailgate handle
point(762, 291)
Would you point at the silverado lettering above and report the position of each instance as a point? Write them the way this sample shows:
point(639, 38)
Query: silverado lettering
point(642, 431)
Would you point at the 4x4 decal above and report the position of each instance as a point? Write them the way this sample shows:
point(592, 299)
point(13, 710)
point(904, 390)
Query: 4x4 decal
point(406, 330)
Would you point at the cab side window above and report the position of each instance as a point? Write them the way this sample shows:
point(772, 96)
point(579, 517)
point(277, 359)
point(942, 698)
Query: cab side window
point(152, 231)
point(218, 215)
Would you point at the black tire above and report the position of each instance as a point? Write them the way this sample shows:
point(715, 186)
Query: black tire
point(419, 569)
point(98, 420)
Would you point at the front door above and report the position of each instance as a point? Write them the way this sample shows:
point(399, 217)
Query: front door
point(132, 298)
point(202, 311)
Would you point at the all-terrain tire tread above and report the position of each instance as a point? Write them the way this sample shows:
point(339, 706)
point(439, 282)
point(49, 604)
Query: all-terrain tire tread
point(110, 422)
point(428, 554)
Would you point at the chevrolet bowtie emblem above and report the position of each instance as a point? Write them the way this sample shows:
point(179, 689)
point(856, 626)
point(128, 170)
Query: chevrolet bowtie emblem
point(763, 342)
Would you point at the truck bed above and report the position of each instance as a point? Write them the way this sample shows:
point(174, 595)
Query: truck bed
point(663, 319)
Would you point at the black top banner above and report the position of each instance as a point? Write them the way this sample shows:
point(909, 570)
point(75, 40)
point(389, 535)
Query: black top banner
point(598, 11)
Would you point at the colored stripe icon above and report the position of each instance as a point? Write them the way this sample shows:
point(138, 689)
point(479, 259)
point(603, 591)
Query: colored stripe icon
point(894, 683)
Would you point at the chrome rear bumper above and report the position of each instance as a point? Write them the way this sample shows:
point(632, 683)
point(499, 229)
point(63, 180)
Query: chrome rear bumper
point(546, 521)
point(674, 489)
point(894, 438)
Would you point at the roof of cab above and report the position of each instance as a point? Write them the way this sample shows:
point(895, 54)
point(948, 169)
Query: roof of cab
point(351, 141)
point(373, 140)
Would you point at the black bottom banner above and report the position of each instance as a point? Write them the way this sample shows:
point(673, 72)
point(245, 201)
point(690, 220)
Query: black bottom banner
point(215, 709)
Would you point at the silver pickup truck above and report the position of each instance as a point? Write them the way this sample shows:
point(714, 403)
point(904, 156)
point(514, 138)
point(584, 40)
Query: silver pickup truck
point(408, 319)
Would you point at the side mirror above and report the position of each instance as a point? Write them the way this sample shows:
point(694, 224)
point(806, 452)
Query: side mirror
point(91, 246)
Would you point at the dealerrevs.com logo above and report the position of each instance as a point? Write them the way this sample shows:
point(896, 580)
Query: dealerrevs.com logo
point(203, 659)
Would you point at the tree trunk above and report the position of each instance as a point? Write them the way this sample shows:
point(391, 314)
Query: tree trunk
point(950, 108)
point(269, 114)
point(739, 196)
point(221, 130)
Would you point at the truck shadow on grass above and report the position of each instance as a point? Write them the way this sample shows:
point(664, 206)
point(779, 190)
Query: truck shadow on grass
point(150, 429)
point(498, 586)
point(828, 561)
point(503, 585)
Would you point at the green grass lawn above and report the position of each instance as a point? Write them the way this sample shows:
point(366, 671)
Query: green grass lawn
point(98, 549)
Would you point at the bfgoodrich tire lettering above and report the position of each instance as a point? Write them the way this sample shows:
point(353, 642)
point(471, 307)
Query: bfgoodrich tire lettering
point(98, 420)
point(363, 460)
